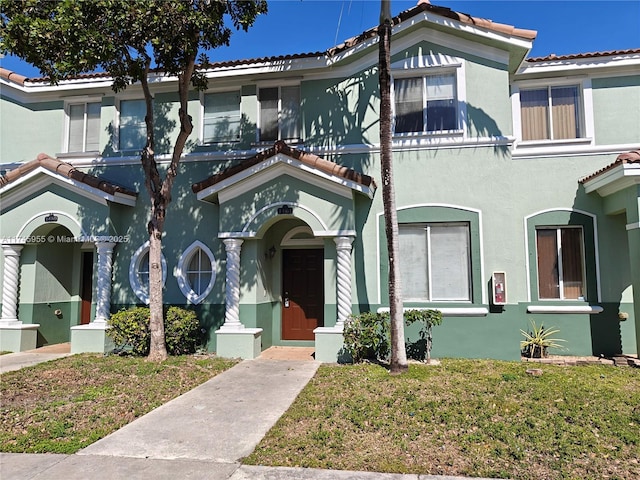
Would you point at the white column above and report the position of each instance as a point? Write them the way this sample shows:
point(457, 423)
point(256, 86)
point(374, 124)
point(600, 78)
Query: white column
point(343, 247)
point(103, 288)
point(10, 283)
point(232, 287)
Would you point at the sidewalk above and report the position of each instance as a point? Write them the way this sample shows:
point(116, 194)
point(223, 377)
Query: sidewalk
point(203, 434)
point(16, 361)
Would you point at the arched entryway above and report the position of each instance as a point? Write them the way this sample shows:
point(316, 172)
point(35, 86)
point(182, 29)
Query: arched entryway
point(287, 221)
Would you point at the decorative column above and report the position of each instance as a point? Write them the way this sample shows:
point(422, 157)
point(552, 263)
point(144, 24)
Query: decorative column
point(10, 283)
point(232, 287)
point(343, 247)
point(103, 288)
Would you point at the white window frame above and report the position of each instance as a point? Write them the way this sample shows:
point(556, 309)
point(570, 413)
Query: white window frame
point(134, 269)
point(67, 124)
point(182, 272)
point(427, 227)
point(558, 229)
point(279, 86)
point(422, 66)
point(116, 136)
point(549, 146)
point(203, 95)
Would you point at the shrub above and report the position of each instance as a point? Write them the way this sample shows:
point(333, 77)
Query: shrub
point(181, 331)
point(129, 329)
point(427, 319)
point(367, 336)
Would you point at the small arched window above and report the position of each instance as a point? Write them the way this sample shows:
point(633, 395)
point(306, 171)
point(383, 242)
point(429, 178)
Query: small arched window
point(139, 272)
point(196, 273)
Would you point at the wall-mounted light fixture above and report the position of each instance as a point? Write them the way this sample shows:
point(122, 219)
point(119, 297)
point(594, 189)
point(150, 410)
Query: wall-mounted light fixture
point(269, 254)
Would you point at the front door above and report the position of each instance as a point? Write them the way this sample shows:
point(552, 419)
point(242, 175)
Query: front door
point(86, 287)
point(302, 293)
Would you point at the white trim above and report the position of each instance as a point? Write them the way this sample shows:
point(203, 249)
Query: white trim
point(281, 204)
point(546, 147)
point(28, 184)
point(633, 226)
point(425, 66)
point(181, 272)
point(274, 167)
point(289, 241)
point(443, 205)
point(447, 311)
point(596, 247)
point(615, 179)
point(590, 309)
point(134, 266)
point(451, 140)
point(218, 90)
point(79, 100)
point(580, 64)
point(21, 232)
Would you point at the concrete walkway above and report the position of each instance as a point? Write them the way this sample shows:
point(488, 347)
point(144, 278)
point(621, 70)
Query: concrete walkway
point(16, 361)
point(203, 434)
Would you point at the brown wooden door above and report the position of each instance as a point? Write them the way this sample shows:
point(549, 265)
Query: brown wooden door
point(86, 288)
point(302, 293)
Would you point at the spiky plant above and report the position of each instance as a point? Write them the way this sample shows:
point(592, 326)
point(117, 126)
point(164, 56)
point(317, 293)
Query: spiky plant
point(539, 340)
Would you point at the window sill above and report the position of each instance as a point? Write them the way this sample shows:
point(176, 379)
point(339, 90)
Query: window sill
point(439, 134)
point(271, 143)
point(549, 143)
point(449, 311)
point(74, 155)
point(565, 309)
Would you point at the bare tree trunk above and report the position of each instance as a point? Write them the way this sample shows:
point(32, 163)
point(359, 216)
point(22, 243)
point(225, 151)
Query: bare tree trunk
point(155, 228)
point(398, 351)
point(160, 193)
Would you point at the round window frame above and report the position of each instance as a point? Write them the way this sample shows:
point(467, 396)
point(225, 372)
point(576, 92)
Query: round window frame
point(181, 272)
point(134, 269)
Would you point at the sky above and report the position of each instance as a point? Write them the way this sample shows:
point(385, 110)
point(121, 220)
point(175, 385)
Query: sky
point(303, 26)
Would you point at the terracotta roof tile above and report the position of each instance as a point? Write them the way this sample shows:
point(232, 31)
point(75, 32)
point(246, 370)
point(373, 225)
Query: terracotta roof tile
point(66, 170)
point(578, 56)
point(12, 76)
point(627, 157)
point(304, 157)
point(422, 6)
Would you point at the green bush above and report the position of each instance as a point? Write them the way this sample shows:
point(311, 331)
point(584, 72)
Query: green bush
point(427, 319)
point(129, 330)
point(182, 331)
point(367, 336)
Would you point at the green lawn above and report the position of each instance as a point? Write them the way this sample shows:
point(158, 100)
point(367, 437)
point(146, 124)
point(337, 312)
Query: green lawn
point(67, 404)
point(465, 417)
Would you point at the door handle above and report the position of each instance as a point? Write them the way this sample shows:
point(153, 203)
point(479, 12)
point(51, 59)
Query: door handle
point(286, 299)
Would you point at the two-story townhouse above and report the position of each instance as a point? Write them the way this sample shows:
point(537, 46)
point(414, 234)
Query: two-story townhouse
point(517, 196)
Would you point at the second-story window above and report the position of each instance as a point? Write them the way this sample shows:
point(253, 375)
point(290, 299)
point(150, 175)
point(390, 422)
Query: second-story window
point(132, 133)
point(425, 104)
point(221, 119)
point(279, 113)
point(551, 113)
point(84, 127)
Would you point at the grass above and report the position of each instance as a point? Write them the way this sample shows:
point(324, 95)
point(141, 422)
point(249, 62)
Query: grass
point(67, 404)
point(465, 417)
